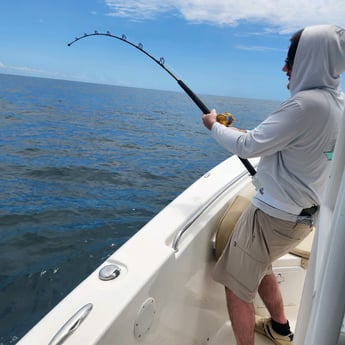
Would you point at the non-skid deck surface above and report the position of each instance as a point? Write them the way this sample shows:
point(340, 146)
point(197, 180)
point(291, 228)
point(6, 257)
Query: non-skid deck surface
point(225, 336)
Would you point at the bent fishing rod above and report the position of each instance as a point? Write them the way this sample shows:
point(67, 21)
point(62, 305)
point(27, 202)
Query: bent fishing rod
point(161, 63)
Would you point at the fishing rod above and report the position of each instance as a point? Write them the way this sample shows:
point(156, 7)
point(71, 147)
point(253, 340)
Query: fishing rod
point(161, 63)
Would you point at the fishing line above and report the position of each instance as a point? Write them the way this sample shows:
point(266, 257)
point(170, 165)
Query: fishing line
point(161, 63)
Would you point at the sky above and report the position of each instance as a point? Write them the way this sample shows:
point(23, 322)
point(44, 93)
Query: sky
point(231, 47)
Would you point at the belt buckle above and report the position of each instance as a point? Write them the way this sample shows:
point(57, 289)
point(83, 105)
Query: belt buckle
point(309, 212)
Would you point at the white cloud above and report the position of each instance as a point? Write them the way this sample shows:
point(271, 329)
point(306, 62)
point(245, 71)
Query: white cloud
point(283, 15)
point(139, 9)
point(26, 70)
point(259, 48)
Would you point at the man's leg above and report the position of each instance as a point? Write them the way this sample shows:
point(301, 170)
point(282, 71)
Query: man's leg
point(277, 328)
point(269, 292)
point(242, 318)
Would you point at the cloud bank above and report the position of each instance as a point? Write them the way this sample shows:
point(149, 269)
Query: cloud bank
point(29, 71)
point(25, 69)
point(283, 16)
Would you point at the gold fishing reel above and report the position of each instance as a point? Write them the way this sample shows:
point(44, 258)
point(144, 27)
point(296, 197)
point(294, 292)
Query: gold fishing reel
point(225, 119)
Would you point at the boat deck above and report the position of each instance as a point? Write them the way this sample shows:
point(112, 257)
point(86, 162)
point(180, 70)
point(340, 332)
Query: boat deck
point(226, 336)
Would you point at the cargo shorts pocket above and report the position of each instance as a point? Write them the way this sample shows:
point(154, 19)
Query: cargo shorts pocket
point(248, 252)
point(285, 238)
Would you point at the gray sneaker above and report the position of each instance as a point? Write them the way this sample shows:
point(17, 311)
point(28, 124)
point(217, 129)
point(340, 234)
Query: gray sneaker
point(264, 326)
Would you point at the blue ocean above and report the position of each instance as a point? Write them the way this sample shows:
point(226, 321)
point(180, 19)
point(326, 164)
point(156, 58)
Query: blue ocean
point(82, 168)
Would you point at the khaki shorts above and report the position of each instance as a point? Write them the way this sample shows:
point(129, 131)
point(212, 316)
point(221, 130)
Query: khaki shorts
point(257, 240)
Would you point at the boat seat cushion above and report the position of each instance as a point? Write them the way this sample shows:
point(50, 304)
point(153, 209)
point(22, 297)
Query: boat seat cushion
point(228, 222)
point(230, 218)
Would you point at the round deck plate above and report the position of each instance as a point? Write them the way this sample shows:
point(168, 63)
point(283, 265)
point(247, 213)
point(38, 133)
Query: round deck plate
point(145, 317)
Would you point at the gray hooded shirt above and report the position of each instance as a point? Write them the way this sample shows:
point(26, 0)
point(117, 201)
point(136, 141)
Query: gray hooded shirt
point(296, 142)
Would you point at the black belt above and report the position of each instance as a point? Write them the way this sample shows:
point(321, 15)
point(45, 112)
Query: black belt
point(308, 212)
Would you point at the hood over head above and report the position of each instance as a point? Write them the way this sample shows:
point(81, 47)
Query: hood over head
point(319, 60)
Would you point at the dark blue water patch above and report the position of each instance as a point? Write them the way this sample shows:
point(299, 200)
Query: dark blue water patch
point(59, 245)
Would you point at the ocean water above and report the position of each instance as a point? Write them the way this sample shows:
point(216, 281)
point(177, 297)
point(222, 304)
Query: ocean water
point(82, 168)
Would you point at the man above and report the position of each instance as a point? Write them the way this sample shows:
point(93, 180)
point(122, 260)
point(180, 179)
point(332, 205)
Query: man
point(295, 144)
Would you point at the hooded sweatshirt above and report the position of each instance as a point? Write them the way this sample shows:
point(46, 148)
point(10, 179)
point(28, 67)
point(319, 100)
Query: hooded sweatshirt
point(296, 141)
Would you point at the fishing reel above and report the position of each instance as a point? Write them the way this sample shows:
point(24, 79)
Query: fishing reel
point(225, 119)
